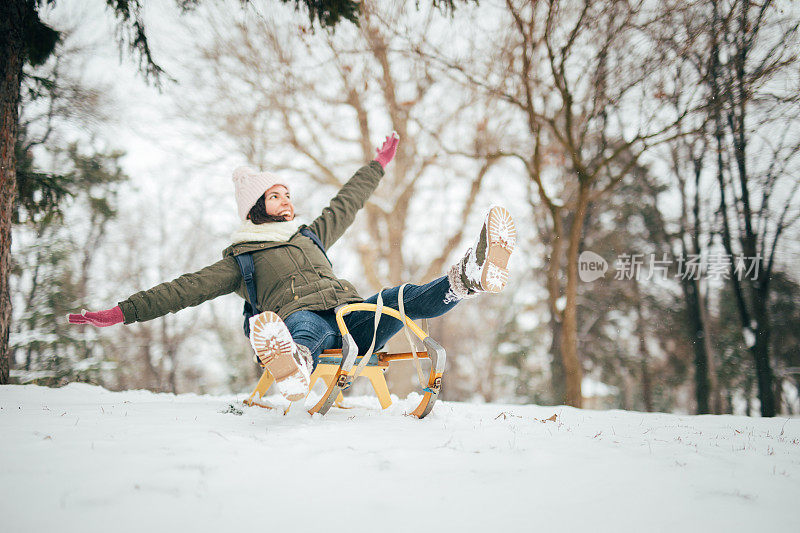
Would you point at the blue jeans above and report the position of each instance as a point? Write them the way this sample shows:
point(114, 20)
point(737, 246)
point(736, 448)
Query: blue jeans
point(317, 330)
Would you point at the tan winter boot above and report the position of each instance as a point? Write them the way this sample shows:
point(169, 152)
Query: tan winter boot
point(289, 363)
point(484, 268)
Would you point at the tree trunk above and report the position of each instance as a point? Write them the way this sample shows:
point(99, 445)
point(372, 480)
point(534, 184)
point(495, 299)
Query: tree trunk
point(11, 59)
point(760, 351)
point(715, 394)
point(748, 395)
point(644, 355)
point(170, 347)
point(557, 373)
point(696, 334)
point(569, 348)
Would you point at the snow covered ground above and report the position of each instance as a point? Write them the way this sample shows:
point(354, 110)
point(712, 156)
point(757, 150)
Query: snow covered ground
point(81, 458)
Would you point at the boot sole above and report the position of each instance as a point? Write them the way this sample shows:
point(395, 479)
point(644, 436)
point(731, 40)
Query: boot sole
point(274, 347)
point(501, 234)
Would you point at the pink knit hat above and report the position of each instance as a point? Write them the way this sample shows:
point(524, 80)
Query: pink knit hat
point(250, 185)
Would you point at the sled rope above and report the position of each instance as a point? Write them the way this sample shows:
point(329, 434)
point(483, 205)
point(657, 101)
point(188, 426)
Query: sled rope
point(406, 330)
point(365, 359)
point(401, 308)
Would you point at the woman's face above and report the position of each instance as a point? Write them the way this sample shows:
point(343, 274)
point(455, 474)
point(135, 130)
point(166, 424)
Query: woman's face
point(278, 203)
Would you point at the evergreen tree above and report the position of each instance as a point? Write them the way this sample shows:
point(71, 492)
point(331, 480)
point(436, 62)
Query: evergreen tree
point(54, 249)
point(59, 217)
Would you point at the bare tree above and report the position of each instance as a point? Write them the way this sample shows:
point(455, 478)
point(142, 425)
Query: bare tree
point(681, 38)
point(577, 75)
point(754, 49)
point(315, 106)
point(736, 58)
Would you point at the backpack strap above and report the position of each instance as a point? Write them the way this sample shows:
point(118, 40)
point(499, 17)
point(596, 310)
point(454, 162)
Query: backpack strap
point(313, 236)
point(248, 269)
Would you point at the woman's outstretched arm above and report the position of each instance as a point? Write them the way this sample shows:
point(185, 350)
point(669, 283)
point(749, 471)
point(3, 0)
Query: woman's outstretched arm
point(101, 319)
point(188, 290)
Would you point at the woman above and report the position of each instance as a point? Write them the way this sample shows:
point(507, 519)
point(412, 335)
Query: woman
point(295, 285)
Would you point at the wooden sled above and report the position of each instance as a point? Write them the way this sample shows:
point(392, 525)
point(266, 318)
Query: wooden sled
point(337, 368)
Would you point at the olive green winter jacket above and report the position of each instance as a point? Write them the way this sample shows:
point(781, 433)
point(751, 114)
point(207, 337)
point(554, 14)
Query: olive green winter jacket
point(290, 276)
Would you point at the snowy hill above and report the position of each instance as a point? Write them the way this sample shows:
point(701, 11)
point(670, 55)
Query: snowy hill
point(82, 458)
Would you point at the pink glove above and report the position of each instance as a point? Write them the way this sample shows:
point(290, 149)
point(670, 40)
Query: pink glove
point(100, 319)
point(387, 151)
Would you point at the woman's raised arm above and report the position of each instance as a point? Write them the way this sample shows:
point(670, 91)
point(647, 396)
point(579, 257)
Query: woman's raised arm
point(341, 212)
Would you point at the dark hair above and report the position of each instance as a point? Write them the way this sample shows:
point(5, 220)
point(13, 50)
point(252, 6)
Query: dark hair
point(258, 213)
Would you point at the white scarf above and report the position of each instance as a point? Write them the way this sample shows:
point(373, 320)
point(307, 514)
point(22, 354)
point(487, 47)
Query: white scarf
point(269, 231)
